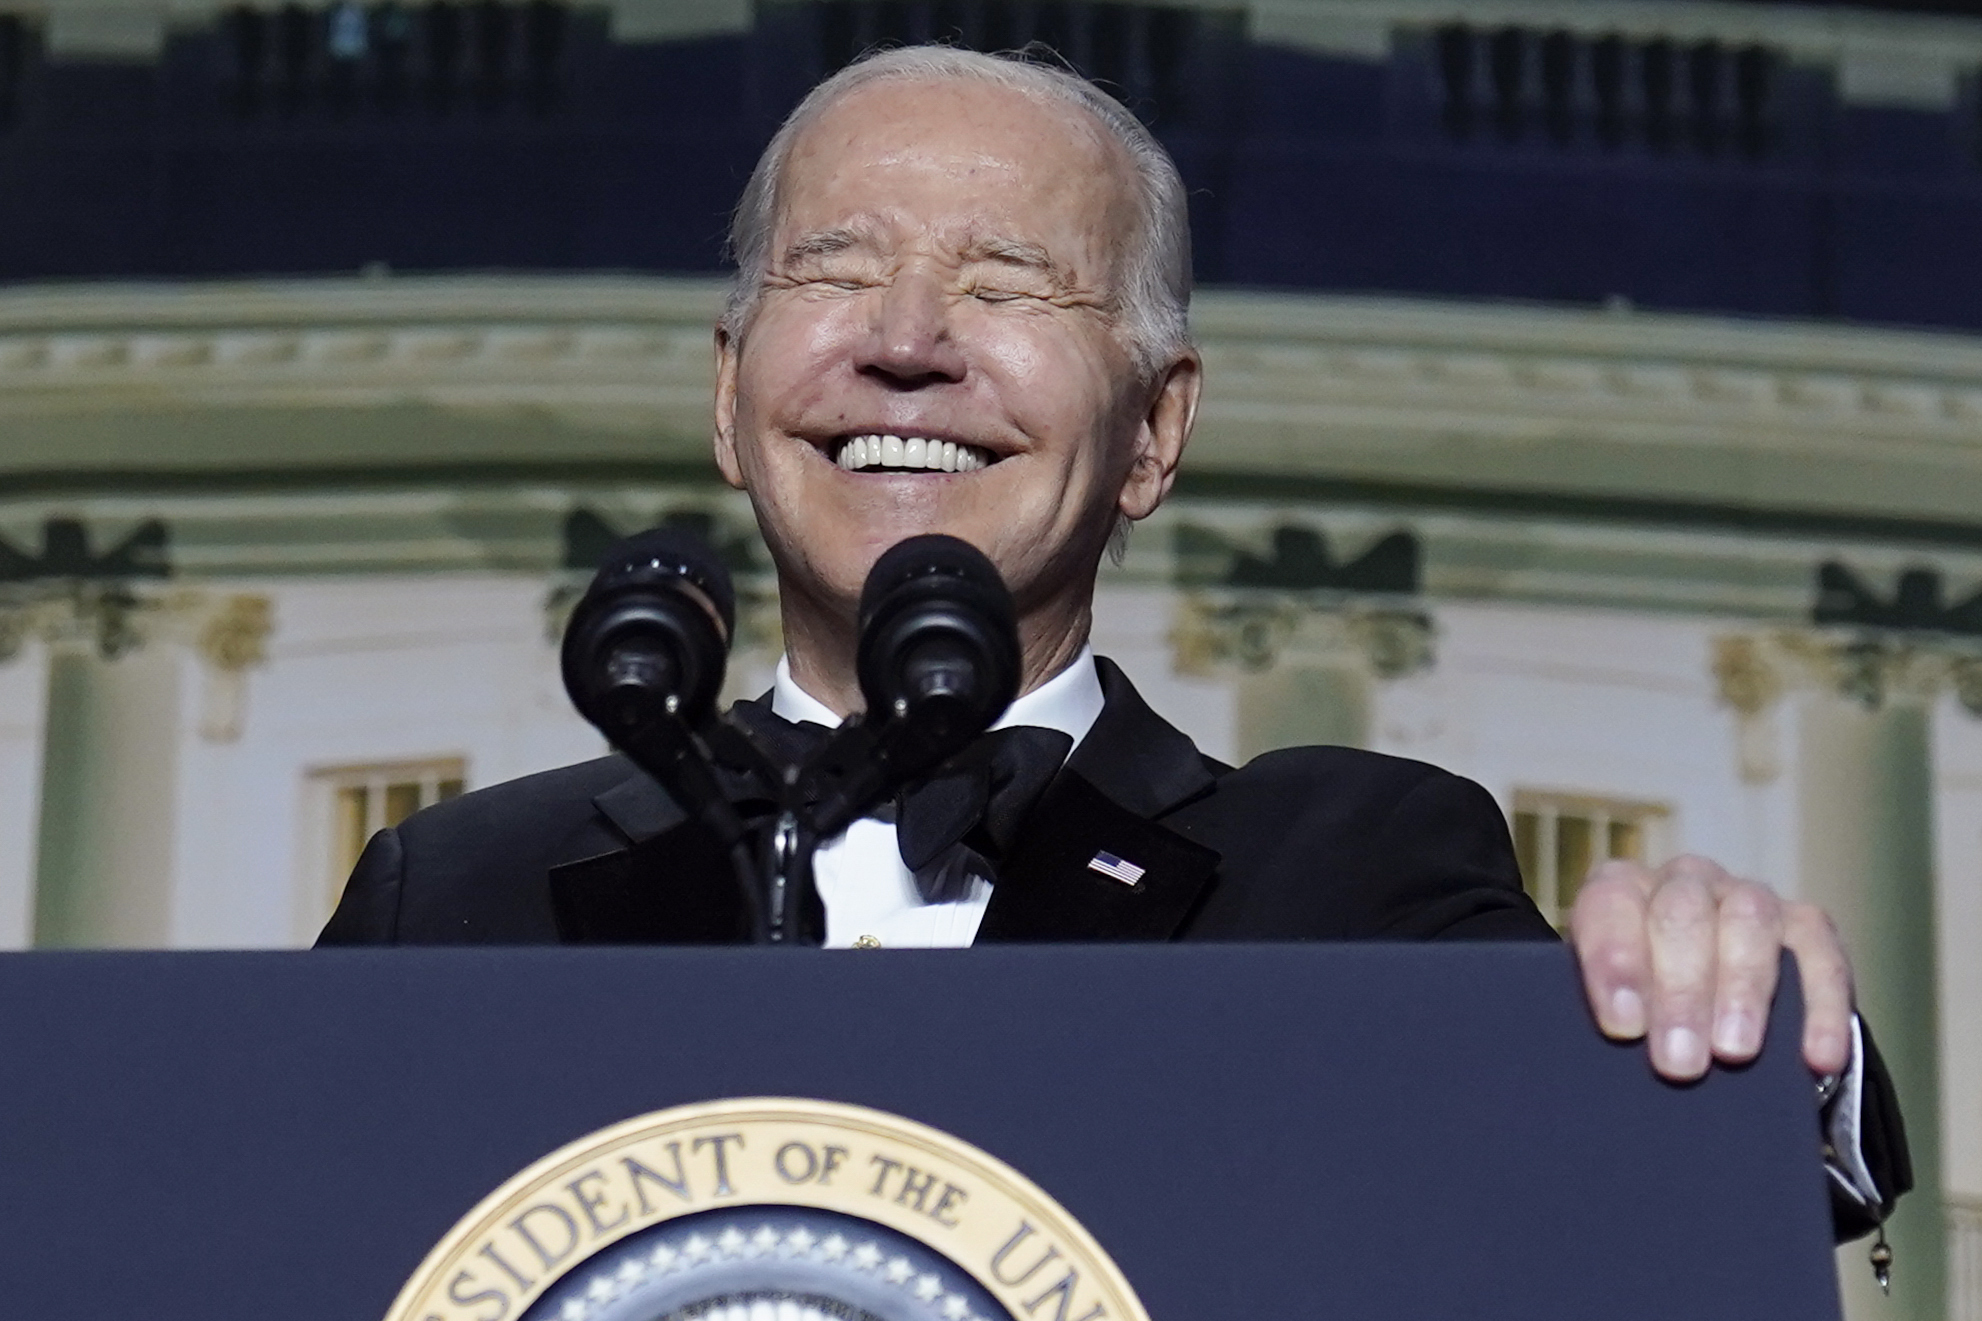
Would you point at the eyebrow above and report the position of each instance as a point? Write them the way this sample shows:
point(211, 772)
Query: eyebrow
point(992, 248)
point(823, 243)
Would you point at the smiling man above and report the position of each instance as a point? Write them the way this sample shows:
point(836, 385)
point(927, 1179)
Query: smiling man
point(959, 269)
point(961, 307)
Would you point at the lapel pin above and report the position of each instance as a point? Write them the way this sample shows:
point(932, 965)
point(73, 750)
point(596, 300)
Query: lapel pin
point(1120, 869)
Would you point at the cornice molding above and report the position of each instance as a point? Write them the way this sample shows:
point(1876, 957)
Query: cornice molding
point(1616, 404)
point(1600, 403)
point(455, 341)
point(1618, 364)
point(278, 374)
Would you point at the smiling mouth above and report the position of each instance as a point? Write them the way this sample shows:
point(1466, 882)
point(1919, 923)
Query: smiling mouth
point(909, 454)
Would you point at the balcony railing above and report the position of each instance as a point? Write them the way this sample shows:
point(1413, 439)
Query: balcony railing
point(390, 57)
point(1518, 84)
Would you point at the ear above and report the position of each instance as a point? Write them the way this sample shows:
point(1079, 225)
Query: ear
point(1161, 437)
point(726, 368)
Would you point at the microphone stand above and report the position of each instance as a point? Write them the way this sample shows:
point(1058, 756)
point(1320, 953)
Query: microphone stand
point(815, 801)
point(775, 865)
point(674, 757)
point(790, 844)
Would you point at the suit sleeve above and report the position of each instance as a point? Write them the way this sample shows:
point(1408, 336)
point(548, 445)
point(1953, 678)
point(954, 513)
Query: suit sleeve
point(1452, 873)
point(368, 912)
point(1865, 1149)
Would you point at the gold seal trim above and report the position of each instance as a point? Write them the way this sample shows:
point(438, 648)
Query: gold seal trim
point(995, 1224)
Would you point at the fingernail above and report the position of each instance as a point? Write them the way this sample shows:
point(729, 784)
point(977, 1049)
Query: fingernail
point(1736, 1033)
point(1684, 1052)
point(1627, 1011)
point(1832, 1049)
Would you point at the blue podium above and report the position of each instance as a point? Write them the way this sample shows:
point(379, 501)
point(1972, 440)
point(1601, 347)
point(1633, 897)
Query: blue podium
point(1373, 1132)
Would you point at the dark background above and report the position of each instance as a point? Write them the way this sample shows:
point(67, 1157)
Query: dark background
point(1475, 162)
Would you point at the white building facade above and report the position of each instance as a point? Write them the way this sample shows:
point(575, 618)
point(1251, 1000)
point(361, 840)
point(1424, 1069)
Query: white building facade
point(285, 561)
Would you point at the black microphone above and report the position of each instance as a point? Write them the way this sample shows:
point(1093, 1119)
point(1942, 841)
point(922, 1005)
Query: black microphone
point(650, 638)
point(939, 642)
point(643, 660)
point(938, 662)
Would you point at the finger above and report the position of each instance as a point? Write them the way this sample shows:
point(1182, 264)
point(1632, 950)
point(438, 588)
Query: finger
point(1682, 923)
point(1748, 958)
point(1825, 971)
point(1607, 931)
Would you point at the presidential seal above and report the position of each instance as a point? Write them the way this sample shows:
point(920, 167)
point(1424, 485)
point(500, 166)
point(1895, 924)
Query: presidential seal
point(768, 1210)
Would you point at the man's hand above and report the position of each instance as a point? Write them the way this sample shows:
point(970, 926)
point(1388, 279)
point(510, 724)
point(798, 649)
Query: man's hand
point(1687, 955)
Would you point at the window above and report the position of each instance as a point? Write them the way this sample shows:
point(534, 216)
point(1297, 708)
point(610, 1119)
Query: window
point(356, 802)
point(1558, 837)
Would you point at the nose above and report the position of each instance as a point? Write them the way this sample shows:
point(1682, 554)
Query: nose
point(910, 343)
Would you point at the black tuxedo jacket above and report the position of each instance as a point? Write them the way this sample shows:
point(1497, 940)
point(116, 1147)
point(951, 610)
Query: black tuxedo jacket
point(1305, 844)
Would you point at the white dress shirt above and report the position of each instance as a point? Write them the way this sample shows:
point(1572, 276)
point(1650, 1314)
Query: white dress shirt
point(868, 891)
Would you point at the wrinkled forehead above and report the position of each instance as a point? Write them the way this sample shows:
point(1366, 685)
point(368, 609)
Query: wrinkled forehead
point(973, 162)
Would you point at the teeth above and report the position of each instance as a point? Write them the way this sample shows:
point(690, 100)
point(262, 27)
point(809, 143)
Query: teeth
point(913, 452)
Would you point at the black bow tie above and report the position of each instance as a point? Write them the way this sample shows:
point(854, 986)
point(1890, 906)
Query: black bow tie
point(955, 826)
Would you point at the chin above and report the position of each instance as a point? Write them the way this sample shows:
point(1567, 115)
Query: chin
point(886, 532)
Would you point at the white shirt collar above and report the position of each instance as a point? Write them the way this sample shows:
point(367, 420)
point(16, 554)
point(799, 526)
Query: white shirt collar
point(1070, 701)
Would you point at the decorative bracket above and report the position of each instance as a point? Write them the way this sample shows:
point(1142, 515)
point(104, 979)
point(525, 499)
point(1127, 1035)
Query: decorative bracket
point(110, 619)
point(1253, 630)
point(1872, 668)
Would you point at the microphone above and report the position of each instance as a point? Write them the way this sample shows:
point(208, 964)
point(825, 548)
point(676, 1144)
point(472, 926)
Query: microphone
point(649, 640)
point(939, 643)
point(938, 662)
point(643, 660)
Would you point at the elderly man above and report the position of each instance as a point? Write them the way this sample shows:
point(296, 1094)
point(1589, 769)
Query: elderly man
point(961, 308)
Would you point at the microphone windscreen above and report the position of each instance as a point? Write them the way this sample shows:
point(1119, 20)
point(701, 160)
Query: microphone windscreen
point(925, 556)
point(649, 558)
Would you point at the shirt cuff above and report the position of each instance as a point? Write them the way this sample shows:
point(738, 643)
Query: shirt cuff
point(1842, 1096)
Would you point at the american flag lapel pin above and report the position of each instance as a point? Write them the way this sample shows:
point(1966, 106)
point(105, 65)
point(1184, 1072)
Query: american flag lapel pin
point(1120, 869)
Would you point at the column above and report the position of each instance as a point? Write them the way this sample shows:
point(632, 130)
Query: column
point(1848, 715)
point(1865, 794)
point(1306, 665)
point(131, 681)
point(108, 801)
point(23, 692)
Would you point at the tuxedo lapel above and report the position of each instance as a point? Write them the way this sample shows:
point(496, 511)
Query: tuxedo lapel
point(1136, 757)
point(1058, 883)
point(1068, 877)
point(670, 884)
point(639, 807)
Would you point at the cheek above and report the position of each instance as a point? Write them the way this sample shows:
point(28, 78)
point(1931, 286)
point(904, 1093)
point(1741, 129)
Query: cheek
point(788, 359)
point(1059, 387)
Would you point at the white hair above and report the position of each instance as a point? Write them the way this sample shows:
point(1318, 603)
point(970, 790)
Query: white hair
point(1154, 294)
